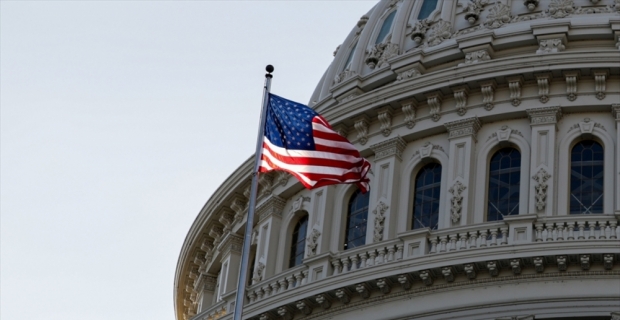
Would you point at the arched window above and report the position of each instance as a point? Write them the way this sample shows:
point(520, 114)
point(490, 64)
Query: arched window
point(357, 216)
point(347, 64)
point(427, 8)
point(298, 242)
point(586, 178)
point(504, 184)
point(386, 27)
point(426, 197)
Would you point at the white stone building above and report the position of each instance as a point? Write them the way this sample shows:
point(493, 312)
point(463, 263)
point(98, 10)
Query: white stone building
point(493, 128)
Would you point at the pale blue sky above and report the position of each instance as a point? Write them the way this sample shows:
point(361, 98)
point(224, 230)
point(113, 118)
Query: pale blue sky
point(118, 120)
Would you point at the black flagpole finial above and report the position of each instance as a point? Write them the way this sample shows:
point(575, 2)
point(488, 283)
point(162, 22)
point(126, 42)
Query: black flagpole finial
point(269, 69)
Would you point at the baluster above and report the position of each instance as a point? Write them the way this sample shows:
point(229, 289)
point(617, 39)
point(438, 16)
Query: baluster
point(345, 264)
point(494, 237)
point(391, 251)
point(305, 274)
point(504, 231)
point(582, 226)
point(539, 229)
point(604, 230)
point(473, 239)
point(363, 257)
point(463, 241)
point(336, 265)
point(372, 256)
point(354, 260)
point(554, 232)
point(259, 294)
point(452, 244)
point(433, 245)
point(291, 282)
point(571, 231)
point(614, 230)
point(381, 257)
point(442, 246)
point(483, 238)
point(283, 284)
point(275, 288)
point(560, 235)
point(298, 278)
point(549, 229)
point(399, 251)
point(592, 229)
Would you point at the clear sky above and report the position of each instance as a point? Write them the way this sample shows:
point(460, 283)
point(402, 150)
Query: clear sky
point(118, 120)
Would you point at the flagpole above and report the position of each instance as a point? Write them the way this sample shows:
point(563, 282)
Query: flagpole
point(245, 256)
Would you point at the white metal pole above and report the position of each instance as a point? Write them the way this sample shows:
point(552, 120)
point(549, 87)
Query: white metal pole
point(245, 256)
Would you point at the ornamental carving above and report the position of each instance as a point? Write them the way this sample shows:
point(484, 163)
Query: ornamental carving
point(550, 46)
point(379, 213)
point(545, 115)
point(298, 204)
point(487, 89)
point(543, 87)
point(587, 126)
point(571, 84)
point(475, 57)
point(499, 14)
point(456, 202)
point(411, 73)
point(460, 96)
point(599, 83)
point(313, 242)
point(434, 105)
point(530, 4)
point(541, 178)
point(258, 273)
point(514, 85)
point(409, 109)
point(462, 128)
point(388, 148)
point(345, 74)
point(361, 125)
point(473, 9)
point(380, 53)
point(561, 8)
point(419, 30)
point(385, 118)
point(438, 32)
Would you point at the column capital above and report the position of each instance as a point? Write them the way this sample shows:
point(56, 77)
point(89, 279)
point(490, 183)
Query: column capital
point(232, 243)
point(390, 147)
point(615, 110)
point(273, 206)
point(463, 128)
point(546, 115)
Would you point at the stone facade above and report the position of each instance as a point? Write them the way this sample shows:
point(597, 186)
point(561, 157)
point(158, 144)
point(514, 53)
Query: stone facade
point(468, 80)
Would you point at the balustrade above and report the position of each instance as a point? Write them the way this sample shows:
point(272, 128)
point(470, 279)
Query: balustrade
point(463, 238)
point(575, 228)
point(367, 256)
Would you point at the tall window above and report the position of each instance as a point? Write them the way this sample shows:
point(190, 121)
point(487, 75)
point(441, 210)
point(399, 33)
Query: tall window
point(426, 197)
point(347, 64)
point(386, 27)
point(504, 184)
point(427, 8)
point(357, 216)
point(586, 178)
point(298, 243)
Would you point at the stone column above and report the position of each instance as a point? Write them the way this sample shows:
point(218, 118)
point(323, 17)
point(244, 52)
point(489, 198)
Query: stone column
point(269, 216)
point(230, 249)
point(383, 204)
point(543, 122)
point(462, 136)
point(615, 109)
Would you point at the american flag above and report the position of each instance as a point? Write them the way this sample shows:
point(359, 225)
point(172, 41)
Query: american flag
point(298, 140)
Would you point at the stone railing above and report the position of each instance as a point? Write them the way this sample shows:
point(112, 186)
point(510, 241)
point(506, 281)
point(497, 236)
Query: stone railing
point(282, 282)
point(214, 312)
point(463, 238)
point(580, 227)
point(367, 256)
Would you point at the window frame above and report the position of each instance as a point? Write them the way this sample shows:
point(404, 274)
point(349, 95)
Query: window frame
point(414, 189)
point(499, 147)
point(355, 193)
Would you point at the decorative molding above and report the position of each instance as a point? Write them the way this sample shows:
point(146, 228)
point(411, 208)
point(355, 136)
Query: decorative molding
point(571, 84)
point(493, 268)
point(440, 30)
point(363, 289)
point(543, 81)
point(258, 273)
point(488, 88)
point(470, 271)
point(545, 115)
point(361, 125)
point(426, 150)
point(231, 243)
point(473, 9)
point(345, 74)
point(409, 110)
point(475, 57)
point(272, 206)
point(541, 178)
point(600, 77)
point(530, 4)
point(554, 45)
point(615, 111)
point(426, 277)
point(586, 126)
point(304, 307)
point(216, 232)
point(411, 73)
point(560, 8)
point(463, 128)
point(362, 22)
point(406, 281)
point(448, 273)
point(460, 95)
point(379, 213)
point(539, 264)
point(265, 180)
point(313, 241)
point(385, 119)
point(561, 263)
point(323, 300)
point(388, 148)
point(238, 205)
point(503, 134)
point(499, 14)
point(226, 218)
point(285, 312)
point(434, 104)
point(514, 84)
point(341, 129)
point(344, 295)
point(419, 30)
point(299, 204)
point(456, 201)
point(380, 53)
point(282, 178)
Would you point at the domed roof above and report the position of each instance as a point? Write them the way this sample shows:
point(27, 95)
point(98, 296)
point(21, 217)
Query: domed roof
point(398, 40)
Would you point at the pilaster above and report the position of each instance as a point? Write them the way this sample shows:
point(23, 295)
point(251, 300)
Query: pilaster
point(383, 204)
point(230, 250)
point(269, 215)
point(615, 109)
point(207, 283)
point(462, 136)
point(543, 122)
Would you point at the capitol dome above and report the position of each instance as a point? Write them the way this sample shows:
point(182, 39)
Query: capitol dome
point(493, 129)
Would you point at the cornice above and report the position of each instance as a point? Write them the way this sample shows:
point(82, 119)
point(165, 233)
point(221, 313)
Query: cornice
point(273, 206)
point(463, 128)
point(545, 115)
point(388, 148)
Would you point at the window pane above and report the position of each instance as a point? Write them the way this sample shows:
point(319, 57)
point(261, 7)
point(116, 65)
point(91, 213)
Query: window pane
point(586, 182)
point(427, 8)
point(426, 197)
point(298, 242)
point(504, 184)
point(357, 216)
point(386, 27)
